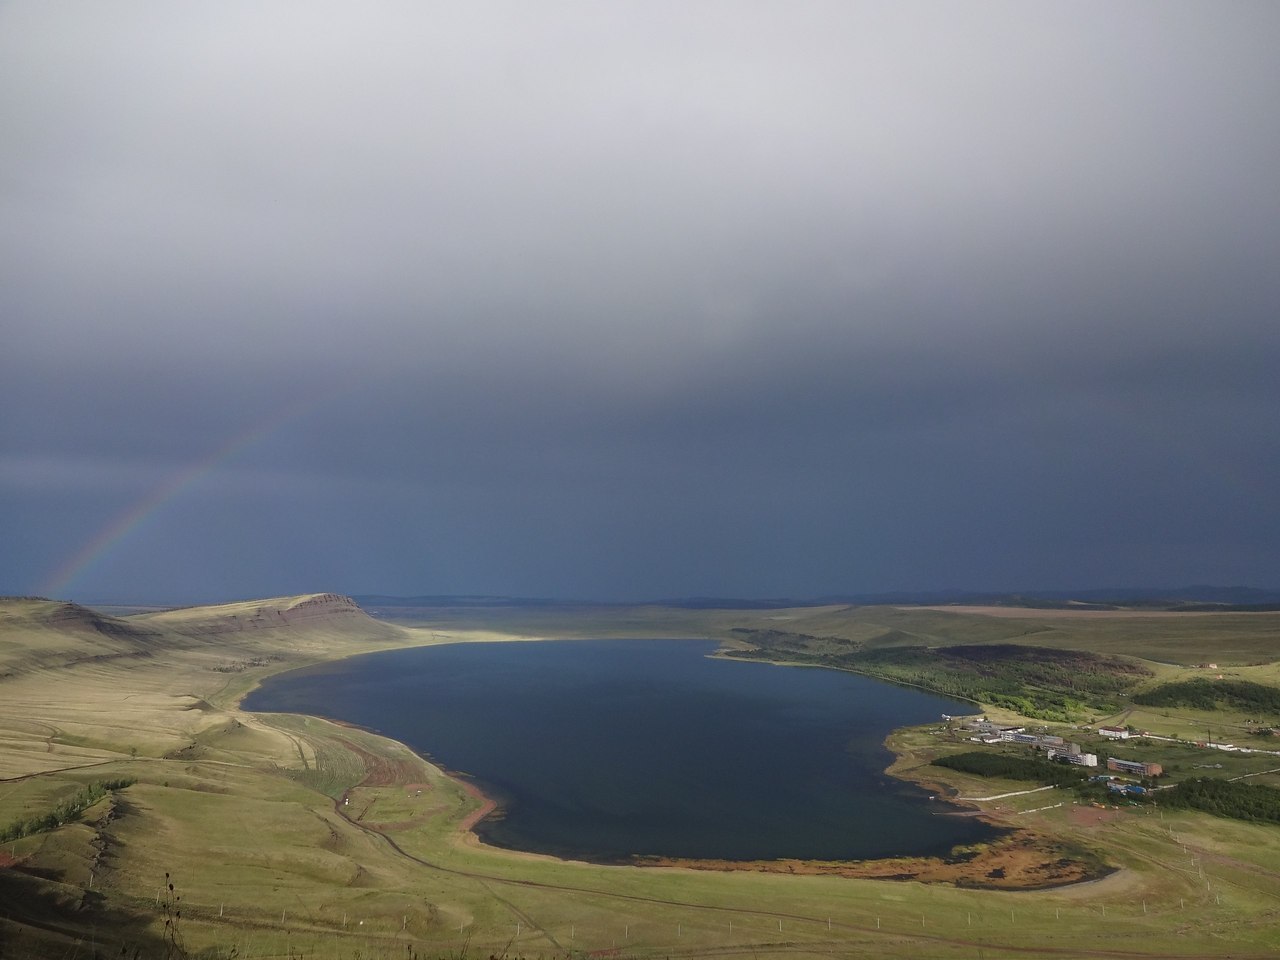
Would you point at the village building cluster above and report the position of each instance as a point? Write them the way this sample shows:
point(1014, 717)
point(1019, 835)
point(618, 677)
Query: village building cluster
point(1055, 748)
point(982, 730)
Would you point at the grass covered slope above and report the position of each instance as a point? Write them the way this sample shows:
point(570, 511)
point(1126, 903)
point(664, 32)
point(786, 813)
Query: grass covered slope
point(311, 618)
point(292, 835)
point(1037, 682)
point(1153, 635)
point(1205, 694)
point(81, 688)
point(37, 633)
point(91, 703)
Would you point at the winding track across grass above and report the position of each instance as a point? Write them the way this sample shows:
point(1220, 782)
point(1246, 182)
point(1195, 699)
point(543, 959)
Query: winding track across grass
point(1015, 793)
point(1010, 951)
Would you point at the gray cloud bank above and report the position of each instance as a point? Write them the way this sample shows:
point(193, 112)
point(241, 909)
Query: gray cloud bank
point(626, 300)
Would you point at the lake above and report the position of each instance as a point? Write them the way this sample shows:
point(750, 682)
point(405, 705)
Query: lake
point(609, 749)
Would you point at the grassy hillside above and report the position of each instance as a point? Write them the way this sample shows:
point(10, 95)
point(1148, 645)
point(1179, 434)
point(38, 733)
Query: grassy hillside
point(289, 836)
point(1037, 682)
point(1206, 694)
point(1159, 636)
point(1164, 637)
point(42, 633)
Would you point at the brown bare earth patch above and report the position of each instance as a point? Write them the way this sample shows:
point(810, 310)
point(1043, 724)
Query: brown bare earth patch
point(1024, 860)
point(487, 806)
point(381, 771)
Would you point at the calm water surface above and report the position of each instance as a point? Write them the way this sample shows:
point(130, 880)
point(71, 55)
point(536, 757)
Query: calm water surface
point(606, 749)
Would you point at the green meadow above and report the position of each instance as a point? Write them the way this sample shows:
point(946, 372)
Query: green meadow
point(291, 836)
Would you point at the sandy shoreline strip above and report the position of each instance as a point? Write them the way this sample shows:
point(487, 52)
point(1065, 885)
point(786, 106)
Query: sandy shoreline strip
point(487, 804)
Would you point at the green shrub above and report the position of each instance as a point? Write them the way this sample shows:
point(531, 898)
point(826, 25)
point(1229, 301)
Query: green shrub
point(66, 812)
point(1204, 694)
point(991, 764)
point(1225, 798)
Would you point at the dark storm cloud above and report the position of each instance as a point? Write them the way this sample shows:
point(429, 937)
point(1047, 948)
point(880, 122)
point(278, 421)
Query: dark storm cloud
point(640, 298)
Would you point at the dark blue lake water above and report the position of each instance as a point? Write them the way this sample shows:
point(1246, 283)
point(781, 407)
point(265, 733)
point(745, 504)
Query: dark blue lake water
point(607, 749)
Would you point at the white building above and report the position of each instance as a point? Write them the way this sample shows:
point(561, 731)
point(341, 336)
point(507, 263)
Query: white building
point(1079, 759)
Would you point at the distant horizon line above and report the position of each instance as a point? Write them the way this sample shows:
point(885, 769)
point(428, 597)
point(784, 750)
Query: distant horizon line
point(1228, 595)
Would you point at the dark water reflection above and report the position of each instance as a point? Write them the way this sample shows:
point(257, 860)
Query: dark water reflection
point(607, 749)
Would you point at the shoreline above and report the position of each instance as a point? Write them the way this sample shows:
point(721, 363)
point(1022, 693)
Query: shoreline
point(728, 655)
point(1005, 863)
point(487, 806)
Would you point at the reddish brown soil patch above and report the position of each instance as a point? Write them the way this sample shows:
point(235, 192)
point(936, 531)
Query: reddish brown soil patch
point(1024, 860)
point(380, 771)
point(384, 772)
point(486, 807)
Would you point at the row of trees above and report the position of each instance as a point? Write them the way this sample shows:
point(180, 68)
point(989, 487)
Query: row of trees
point(1225, 798)
point(66, 812)
point(992, 764)
point(1203, 694)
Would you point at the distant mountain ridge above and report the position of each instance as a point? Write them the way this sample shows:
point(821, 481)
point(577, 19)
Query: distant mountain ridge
point(38, 634)
point(1190, 599)
point(61, 616)
point(329, 611)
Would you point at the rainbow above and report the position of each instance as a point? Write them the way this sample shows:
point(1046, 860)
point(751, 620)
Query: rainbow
point(119, 527)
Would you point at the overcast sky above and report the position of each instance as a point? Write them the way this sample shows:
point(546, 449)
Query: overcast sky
point(634, 300)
